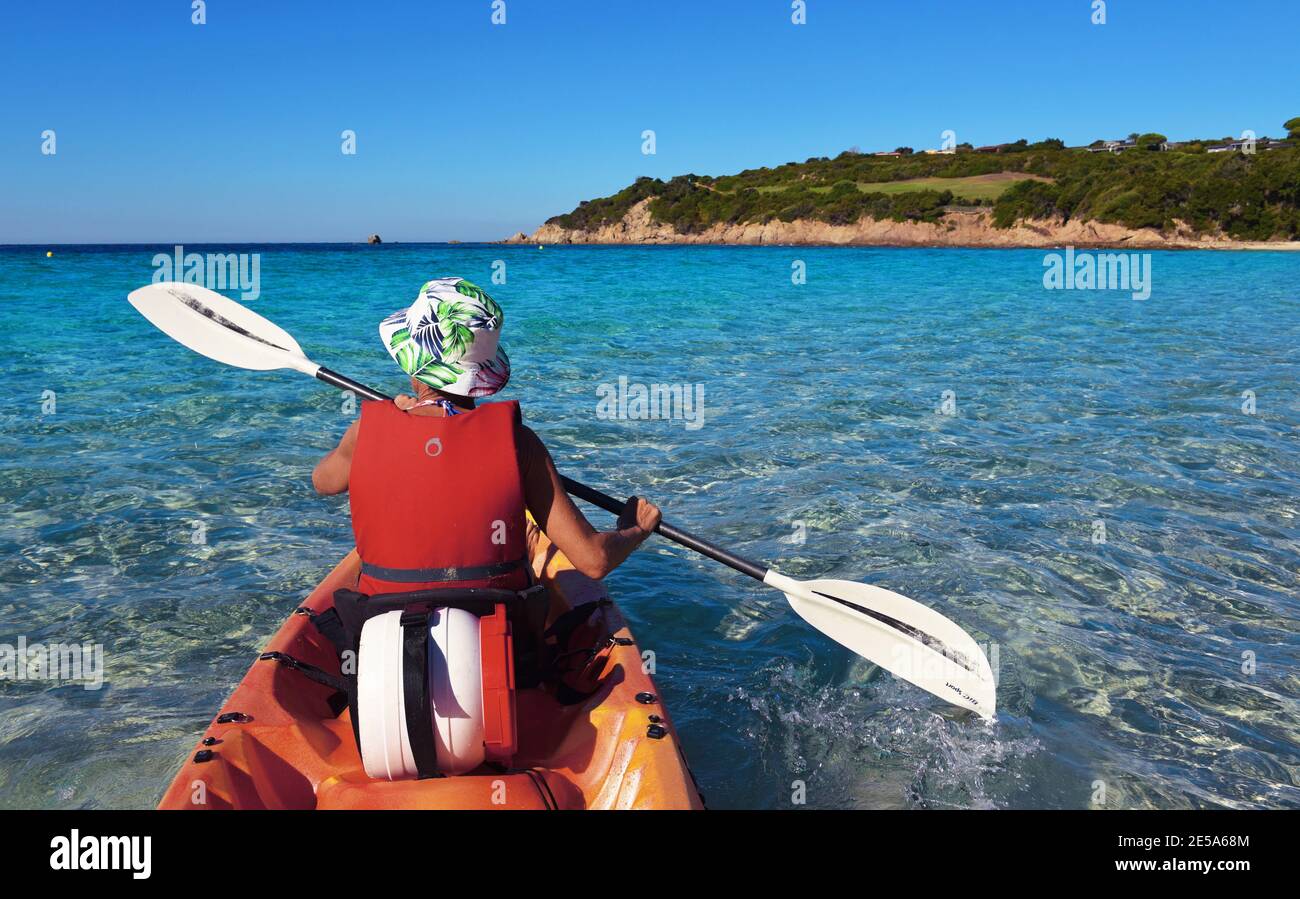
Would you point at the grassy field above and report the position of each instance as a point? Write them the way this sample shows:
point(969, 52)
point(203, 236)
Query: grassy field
point(974, 187)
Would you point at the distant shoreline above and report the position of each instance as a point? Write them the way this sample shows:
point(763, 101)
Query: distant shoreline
point(1257, 246)
point(956, 229)
point(1143, 192)
point(1281, 247)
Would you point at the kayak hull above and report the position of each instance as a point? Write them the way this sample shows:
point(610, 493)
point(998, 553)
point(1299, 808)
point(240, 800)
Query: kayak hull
point(278, 744)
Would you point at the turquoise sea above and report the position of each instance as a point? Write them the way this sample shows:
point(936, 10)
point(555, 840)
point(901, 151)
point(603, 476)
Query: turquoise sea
point(1112, 508)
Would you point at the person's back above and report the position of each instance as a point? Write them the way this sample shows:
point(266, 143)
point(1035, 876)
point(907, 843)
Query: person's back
point(439, 486)
point(438, 500)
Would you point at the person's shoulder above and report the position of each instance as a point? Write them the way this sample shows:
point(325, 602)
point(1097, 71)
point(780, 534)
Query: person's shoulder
point(527, 440)
point(370, 409)
point(505, 407)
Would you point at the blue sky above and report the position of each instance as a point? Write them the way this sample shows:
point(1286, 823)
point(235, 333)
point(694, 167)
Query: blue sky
point(230, 131)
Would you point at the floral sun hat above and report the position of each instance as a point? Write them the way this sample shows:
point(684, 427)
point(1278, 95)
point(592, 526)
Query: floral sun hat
point(448, 339)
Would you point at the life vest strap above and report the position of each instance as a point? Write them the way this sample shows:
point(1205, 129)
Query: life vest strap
point(449, 575)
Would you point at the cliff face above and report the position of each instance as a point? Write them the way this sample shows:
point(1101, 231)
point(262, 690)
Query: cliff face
point(955, 229)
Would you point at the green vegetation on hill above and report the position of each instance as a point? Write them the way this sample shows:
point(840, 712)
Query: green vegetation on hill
point(1249, 197)
point(971, 191)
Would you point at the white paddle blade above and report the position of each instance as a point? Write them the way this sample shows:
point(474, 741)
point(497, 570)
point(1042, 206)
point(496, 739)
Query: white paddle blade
point(217, 327)
point(902, 636)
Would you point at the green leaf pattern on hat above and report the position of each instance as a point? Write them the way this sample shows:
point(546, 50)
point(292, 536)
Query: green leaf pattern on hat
point(431, 339)
point(489, 305)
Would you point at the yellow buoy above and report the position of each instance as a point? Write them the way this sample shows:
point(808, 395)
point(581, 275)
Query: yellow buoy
point(48, 254)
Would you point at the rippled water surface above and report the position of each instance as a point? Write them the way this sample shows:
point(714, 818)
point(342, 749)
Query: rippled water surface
point(1160, 663)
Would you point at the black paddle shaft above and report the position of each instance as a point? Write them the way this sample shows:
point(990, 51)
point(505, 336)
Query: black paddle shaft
point(686, 539)
point(595, 497)
point(335, 379)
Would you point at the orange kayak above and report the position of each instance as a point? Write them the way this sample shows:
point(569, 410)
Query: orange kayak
point(278, 744)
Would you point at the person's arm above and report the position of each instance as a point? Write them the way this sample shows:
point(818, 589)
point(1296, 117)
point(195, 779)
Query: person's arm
point(594, 553)
point(331, 473)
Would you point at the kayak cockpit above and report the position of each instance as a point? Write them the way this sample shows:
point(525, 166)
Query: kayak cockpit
point(282, 741)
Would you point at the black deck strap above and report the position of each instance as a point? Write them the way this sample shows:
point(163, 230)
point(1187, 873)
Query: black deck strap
point(354, 712)
point(330, 626)
point(310, 672)
point(351, 609)
point(415, 690)
point(527, 625)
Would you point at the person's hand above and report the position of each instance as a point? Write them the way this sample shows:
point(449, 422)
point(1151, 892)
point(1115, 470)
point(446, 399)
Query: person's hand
point(404, 402)
point(641, 514)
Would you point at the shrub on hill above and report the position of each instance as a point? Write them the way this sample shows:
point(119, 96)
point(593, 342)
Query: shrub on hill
point(1250, 197)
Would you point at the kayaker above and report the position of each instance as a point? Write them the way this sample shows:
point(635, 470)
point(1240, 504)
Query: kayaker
point(438, 484)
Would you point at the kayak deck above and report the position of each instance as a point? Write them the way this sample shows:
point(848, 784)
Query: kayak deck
point(277, 743)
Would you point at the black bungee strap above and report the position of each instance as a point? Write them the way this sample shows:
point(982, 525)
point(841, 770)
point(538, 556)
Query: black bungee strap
point(308, 670)
point(343, 689)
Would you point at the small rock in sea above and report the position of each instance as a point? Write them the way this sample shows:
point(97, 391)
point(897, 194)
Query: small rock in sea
point(374, 238)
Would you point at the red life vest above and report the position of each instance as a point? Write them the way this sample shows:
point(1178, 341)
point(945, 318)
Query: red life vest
point(438, 501)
